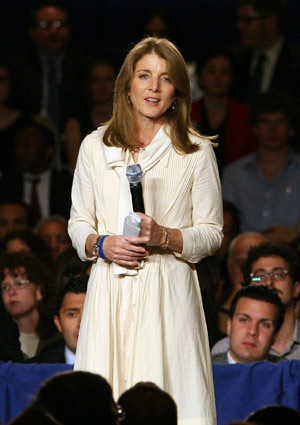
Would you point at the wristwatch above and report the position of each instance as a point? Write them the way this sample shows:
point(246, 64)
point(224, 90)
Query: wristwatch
point(95, 248)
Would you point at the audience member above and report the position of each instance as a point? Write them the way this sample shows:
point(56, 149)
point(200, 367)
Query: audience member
point(276, 266)
point(27, 296)
point(11, 118)
point(280, 234)
point(256, 315)
point(146, 404)
point(237, 254)
point(266, 186)
point(274, 415)
point(217, 113)
point(53, 230)
point(72, 398)
point(99, 98)
point(69, 265)
point(50, 74)
point(46, 189)
point(26, 241)
point(265, 60)
point(14, 216)
point(231, 228)
point(67, 320)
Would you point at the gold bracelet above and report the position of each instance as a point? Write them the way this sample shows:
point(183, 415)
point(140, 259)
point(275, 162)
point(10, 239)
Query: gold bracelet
point(167, 238)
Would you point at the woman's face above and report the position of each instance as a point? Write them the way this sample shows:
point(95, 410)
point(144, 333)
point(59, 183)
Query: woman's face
point(216, 76)
point(4, 85)
point(17, 245)
point(151, 90)
point(102, 83)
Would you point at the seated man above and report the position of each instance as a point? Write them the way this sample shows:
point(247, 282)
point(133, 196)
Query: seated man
point(67, 320)
point(256, 315)
point(276, 266)
point(265, 186)
point(14, 216)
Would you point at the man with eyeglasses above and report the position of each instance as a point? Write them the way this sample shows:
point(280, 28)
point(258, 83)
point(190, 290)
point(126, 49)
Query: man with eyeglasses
point(256, 315)
point(276, 266)
point(50, 74)
point(265, 60)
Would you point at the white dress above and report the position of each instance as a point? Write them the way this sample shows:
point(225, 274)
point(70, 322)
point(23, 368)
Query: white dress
point(151, 326)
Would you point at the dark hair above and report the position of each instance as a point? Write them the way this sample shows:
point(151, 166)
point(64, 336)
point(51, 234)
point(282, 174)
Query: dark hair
point(267, 8)
point(14, 200)
point(37, 245)
point(76, 285)
point(213, 53)
point(69, 265)
point(78, 398)
point(40, 4)
point(47, 135)
point(146, 404)
point(269, 249)
point(260, 293)
point(40, 275)
point(275, 415)
point(35, 416)
point(271, 102)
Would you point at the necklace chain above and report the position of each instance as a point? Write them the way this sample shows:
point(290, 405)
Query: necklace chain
point(140, 148)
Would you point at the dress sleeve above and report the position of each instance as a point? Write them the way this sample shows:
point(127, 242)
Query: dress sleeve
point(83, 221)
point(205, 236)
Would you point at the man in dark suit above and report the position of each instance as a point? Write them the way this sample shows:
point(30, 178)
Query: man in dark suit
point(67, 320)
point(49, 76)
point(46, 189)
point(265, 60)
point(255, 317)
point(9, 339)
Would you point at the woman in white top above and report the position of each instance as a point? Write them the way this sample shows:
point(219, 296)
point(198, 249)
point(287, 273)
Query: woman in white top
point(143, 318)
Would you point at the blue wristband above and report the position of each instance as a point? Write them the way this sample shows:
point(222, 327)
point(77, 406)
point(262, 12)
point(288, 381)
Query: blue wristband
point(101, 248)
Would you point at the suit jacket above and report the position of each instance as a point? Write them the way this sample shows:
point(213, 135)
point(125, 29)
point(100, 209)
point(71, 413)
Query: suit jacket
point(286, 76)
point(221, 358)
point(11, 187)
point(51, 353)
point(28, 71)
point(9, 339)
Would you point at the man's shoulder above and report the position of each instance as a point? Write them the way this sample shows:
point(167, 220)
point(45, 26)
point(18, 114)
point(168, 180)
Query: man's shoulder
point(53, 352)
point(221, 346)
point(220, 358)
point(239, 165)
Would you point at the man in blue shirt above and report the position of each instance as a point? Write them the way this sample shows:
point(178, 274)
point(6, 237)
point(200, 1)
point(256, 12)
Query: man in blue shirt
point(265, 186)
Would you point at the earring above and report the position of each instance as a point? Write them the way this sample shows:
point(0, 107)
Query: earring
point(129, 100)
point(174, 105)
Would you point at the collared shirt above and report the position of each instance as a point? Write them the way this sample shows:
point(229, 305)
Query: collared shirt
point(229, 358)
point(263, 204)
point(272, 56)
point(70, 357)
point(43, 190)
point(292, 352)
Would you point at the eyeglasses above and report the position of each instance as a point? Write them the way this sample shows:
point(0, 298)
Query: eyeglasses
point(20, 284)
point(248, 19)
point(46, 25)
point(261, 275)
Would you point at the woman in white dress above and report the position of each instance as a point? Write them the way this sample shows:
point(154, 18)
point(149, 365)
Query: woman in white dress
point(143, 318)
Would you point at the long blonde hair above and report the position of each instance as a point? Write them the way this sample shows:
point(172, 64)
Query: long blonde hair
point(122, 128)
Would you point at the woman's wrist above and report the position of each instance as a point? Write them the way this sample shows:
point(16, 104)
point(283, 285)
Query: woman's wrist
point(166, 240)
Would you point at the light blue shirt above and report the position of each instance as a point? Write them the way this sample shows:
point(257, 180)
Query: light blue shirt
point(70, 357)
point(263, 204)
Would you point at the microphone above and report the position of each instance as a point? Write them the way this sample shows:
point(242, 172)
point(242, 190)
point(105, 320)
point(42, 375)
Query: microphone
point(134, 176)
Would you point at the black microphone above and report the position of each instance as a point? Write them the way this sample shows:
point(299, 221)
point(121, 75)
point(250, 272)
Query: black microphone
point(134, 176)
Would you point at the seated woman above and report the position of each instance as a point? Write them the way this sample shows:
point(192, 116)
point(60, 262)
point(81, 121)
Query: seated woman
point(99, 94)
point(217, 113)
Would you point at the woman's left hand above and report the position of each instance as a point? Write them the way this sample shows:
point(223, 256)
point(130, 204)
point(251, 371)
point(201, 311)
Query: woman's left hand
point(151, 234)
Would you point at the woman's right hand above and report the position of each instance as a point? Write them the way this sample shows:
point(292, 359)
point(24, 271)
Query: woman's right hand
point(122, 252)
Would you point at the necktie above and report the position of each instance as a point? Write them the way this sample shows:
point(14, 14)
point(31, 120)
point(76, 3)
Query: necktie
point(34, 199)
point(53, 92)
point(254, 87)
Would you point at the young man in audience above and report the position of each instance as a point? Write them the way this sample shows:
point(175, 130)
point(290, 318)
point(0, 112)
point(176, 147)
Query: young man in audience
point(276, 266)
point(265, 186)
point(256, 315)
point(27, 296)
point(14, 216)
point(67, 320)
point(54, 231)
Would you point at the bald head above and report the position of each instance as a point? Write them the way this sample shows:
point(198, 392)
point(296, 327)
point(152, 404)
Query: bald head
point(238, 252)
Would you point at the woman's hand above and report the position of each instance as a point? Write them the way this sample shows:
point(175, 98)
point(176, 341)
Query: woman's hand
point(123, 252)
point(152, 234)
